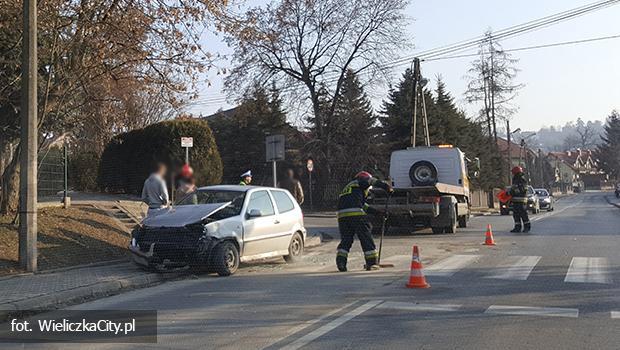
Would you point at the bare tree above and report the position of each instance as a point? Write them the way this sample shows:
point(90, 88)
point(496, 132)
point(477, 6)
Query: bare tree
point(491, 81)
point(311, 44)
point(584, 136)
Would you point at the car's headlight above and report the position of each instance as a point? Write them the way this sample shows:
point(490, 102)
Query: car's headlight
point(547, 200)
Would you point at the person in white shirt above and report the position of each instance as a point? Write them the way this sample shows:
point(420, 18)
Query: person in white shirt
point(155, 192)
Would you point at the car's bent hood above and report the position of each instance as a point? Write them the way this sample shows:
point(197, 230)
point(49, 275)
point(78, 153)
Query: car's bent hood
point(179, 216)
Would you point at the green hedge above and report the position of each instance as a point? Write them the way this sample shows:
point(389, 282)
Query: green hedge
point(130, 157)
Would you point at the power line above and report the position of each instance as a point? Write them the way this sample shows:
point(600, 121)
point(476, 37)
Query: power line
point(502, 34)
point(531, 47)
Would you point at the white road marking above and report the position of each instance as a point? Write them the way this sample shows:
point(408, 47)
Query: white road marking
point(555, 212)
point(418, 307)
point(309, 323)
point(303, 341)
point(615, 314)
point(532, 311)
point(515, 268)
point(588, 270)
point(451, 265)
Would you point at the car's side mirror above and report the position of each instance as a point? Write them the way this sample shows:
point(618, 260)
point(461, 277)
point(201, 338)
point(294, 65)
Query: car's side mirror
point(254, 213)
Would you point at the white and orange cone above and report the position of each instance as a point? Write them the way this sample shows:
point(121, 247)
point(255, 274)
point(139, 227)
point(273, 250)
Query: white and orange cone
point(488, 240)
point(416, 277)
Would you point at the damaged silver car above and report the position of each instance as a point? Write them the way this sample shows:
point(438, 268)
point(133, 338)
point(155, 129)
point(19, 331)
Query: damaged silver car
point(217, 227)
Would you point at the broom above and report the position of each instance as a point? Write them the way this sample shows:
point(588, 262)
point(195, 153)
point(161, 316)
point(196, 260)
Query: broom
point(383, 228)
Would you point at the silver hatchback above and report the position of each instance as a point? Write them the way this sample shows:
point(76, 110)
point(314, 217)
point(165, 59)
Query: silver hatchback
point(217, 227)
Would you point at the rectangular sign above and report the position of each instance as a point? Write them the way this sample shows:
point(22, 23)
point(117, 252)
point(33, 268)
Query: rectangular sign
point(275, 147)
point(187, 142)
point(82, 326)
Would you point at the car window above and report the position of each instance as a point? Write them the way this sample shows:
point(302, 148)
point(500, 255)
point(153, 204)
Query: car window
point(260, 200)
point(530, 191)
point(210, 197)
point(283, 201)
point(543, 193)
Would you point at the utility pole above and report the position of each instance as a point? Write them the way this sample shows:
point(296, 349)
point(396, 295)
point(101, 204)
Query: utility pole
point(28, 143)
point(418, 88)
point(416, 81)
point(509, 151)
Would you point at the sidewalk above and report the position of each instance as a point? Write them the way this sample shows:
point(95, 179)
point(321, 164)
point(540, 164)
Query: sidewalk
point(50, 290)
point(27, 292)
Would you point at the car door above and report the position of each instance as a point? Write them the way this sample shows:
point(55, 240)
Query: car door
point(260, 232)
point(288, 215)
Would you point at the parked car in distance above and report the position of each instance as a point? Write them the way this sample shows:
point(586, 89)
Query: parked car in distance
point(533, 202)
point(545, 199)
point(217, 227)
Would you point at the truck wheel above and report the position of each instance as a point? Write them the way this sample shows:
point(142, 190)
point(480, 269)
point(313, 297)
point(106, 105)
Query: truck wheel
point(225, 259)
point(463, 221)
point(452, 227)
point(437, 230)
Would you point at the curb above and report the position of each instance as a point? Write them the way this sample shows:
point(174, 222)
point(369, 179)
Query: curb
point(80, 294)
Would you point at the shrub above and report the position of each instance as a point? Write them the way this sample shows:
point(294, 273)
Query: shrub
point(129, 158)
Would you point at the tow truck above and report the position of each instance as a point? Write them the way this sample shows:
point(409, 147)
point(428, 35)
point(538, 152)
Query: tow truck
point(431, 189)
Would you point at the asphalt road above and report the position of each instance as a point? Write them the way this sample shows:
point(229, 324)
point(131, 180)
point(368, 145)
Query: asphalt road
point(554, 288)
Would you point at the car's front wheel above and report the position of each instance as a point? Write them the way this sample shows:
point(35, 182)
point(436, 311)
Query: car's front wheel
point(295, 248)
point(225, 259)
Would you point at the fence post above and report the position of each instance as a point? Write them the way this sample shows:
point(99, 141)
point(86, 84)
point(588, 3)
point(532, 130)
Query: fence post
point(65, 199)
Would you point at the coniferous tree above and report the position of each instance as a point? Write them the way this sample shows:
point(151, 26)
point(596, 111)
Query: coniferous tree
point(240, 134)
point(357, 132)
point(447, 125)
point(608, 152)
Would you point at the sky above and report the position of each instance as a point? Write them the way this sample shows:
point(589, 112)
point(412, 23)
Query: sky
point(560, 83)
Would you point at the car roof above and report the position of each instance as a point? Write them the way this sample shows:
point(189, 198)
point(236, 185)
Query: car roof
point(235, 188)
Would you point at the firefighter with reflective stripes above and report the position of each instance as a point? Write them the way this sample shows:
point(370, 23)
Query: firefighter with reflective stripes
point(518, 191)
point(352, 219)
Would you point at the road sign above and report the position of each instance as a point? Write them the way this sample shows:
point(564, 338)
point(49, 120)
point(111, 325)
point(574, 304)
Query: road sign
point(310, 165)
point(187, 142)
point(275, 147)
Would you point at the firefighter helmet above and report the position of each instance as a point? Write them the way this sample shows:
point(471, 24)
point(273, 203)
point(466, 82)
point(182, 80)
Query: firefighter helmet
point(517, 170)
point(363, 175)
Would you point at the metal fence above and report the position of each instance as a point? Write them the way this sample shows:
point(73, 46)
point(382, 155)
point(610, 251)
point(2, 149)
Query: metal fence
point(51, 172)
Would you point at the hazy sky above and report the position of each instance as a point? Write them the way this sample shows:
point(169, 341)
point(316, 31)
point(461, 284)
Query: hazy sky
point(561, 83)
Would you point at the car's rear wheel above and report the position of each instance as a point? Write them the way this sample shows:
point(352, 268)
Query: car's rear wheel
point(225, 260)
point(295, 248)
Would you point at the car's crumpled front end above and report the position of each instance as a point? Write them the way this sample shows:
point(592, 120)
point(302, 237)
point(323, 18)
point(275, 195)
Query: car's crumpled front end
point(174, 239)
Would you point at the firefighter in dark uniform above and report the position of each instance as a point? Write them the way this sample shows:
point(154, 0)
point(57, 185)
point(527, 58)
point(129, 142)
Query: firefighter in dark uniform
point(352, 219)
point(518, 191)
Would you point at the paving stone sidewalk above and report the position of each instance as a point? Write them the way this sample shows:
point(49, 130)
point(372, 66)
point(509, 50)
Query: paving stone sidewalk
point(49, 290)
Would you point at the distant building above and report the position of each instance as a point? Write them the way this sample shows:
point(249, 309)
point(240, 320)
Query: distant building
point(524, 157)
point(579, 165)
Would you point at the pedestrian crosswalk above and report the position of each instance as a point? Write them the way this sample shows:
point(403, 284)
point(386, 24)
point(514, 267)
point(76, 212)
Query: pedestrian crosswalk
point(520, 268)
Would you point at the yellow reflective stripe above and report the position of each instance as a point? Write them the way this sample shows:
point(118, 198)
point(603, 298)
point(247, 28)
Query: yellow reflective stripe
point(351, 213)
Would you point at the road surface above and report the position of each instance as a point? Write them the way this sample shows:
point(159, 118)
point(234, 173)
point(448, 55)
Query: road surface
point(557, 287)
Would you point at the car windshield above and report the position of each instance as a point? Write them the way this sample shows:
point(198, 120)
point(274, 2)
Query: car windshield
point(542, 193)
point(210, 197)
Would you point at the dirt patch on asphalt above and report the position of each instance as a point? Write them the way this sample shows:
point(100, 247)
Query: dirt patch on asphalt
point(66, 237)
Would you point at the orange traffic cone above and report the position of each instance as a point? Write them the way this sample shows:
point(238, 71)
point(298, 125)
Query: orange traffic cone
point(489, 236)
point(416, 277)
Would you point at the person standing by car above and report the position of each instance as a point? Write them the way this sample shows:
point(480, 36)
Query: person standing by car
point(518, 191)
point(293, 185)
point(246, 178)
point(154, 191)
point(352, 219)
point(185, 182)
